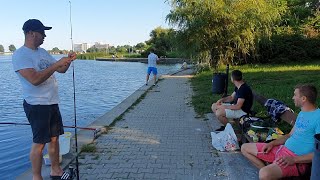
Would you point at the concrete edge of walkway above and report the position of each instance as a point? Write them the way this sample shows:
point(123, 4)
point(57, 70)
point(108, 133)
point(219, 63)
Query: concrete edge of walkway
point(86, 137)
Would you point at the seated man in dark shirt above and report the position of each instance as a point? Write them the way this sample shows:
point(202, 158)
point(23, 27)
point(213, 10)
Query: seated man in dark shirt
point(239, 103)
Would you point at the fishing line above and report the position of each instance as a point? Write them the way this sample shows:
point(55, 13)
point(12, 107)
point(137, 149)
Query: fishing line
point(74, 101)
point(28, 124)
point(96, 131)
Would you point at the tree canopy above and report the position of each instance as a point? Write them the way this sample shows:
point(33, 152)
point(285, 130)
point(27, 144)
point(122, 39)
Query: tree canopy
point(223, 28)
point(1, 48)
point(141, 46)
point(162, 40)
point(12, 48)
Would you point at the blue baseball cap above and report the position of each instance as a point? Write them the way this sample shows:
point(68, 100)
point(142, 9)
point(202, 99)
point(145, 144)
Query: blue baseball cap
point(34, 25)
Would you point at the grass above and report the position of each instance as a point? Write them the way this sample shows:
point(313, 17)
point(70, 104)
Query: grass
point(271, 81)
point(89, 148)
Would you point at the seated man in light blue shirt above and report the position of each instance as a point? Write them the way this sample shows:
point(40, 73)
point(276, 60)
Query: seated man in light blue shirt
point(291, 154)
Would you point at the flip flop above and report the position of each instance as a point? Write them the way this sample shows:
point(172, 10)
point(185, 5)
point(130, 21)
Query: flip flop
point(64, 176)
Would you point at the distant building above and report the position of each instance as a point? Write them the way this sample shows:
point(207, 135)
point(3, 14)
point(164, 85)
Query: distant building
point(81, 47)
point(101, 45)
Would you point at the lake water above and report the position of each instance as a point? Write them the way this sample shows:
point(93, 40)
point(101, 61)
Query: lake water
point(100, 86)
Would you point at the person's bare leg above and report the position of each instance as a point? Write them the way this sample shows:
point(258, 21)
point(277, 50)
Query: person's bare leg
point(36, 160)
point(155, 78)
point(147, 78)
point(53, 150)
point(221, 115)
point(250, 151)
point(270, 172)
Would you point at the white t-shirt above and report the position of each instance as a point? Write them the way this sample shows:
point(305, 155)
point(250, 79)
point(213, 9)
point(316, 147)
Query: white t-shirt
point(47, 92)
point(152, 60)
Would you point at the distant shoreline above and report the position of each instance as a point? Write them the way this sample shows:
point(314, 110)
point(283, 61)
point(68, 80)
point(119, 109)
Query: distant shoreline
point(145, 60)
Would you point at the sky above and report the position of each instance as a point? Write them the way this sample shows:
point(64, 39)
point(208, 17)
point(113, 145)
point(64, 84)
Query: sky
point(114, 22)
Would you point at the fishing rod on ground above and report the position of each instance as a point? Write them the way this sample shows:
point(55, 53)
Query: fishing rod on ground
point(95, 130)
point(74, 101)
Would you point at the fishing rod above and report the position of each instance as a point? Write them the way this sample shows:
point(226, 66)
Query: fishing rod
point(95, 130)
point(28, 124)
point(74, 100)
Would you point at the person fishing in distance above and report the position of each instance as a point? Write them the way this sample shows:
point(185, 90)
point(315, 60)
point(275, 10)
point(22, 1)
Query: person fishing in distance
point(35, 68)
point(152, 66)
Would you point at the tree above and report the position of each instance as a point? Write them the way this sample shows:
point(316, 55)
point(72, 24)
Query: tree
point(121, 49)
point(12, 48)
point(128, 48)
point(311, 28)
point(141, 46)
point(92, 49)
point(112, 50)
point(298, 11)
point(1, 48)
point(224, 28)
point(55, 49)
point(161, 40)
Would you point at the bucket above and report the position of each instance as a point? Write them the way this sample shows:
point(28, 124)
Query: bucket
point(219, 83)
point(315, 173)
point(64, 143)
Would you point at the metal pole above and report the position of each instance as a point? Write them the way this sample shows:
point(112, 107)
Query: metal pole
point(225, 93)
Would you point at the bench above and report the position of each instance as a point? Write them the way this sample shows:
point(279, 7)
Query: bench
point(288, 116)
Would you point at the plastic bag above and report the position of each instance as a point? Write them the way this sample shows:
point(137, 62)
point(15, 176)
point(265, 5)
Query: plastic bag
point(225, 140)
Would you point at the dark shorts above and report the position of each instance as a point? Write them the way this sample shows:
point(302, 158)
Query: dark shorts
point(45, 121)
point(153, 69)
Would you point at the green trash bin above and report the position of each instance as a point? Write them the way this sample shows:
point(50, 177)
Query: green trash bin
point(315, 171)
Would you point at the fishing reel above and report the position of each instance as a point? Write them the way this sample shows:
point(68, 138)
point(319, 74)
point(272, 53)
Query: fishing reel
point(72, 172)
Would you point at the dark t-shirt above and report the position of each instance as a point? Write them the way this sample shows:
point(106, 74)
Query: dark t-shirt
point(244, 92)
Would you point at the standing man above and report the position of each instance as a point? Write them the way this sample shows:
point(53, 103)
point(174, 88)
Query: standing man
point(152, 66)
point(35, 68)
point(290, 154)
point(239, 103)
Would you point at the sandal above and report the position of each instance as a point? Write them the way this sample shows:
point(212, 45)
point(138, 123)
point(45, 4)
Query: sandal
point(64, 175)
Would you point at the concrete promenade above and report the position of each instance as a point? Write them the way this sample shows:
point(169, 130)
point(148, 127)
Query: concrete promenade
point(158, 138)
point(161, 138)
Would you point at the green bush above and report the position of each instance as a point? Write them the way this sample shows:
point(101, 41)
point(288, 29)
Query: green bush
point(202, 67)
point(313, 48)
point(132, 55)
point(175, 54)
point(288, 48)
point(91, 56)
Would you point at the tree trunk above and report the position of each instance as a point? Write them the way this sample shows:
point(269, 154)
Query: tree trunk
point(213, 60)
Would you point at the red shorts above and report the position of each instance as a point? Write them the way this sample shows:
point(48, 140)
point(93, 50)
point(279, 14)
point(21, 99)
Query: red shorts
point(280, 151)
